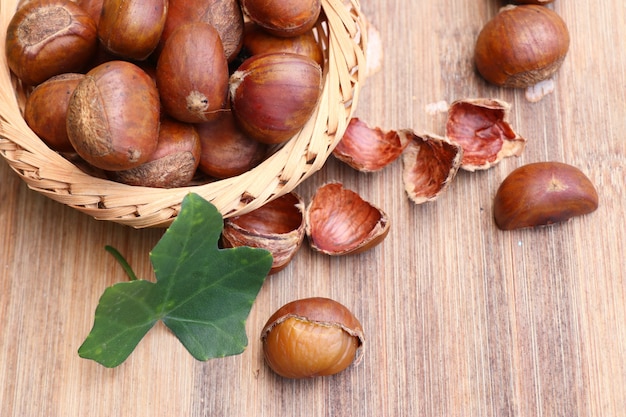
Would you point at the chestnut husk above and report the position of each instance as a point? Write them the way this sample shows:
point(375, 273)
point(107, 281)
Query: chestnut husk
point(277, 226)
point(369, 149)
point(482, 128)
point(340, 222)
point(430, 163)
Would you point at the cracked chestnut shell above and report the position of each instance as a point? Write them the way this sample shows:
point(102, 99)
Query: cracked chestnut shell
point(113, 116)
point(312, 337)
point(482, 128)
point(430, 163)
point(521, 46)
point(49, 37)
point(277, 226)
point(340, 222)
point(543, 193)
point(192, 73)
point(369, 149)
point(273, 95)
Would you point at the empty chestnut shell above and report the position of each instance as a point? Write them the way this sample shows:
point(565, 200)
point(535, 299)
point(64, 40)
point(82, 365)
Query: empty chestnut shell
point(340, 222)
point(430, 164)
point(277, 226)
point(482, 128)
point(312, 337)
point(543, 193)
point(369, 149)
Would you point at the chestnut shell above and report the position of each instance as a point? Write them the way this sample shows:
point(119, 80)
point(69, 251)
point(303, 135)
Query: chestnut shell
point(340, 222)
point(277, 226)
point(283, 17)
point(369, 149)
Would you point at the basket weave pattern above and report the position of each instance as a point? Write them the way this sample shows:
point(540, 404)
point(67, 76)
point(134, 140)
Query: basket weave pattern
point(341, 34)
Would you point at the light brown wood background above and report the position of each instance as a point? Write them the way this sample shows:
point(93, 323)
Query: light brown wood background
point(461, 319)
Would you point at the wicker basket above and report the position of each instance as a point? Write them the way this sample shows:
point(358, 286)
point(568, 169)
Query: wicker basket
point(342, 35)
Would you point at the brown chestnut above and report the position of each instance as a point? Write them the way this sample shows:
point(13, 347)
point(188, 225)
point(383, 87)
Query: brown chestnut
point(172, 164)
point(543, 193)
point(532, 1)
point(273, 95)
point(312, 337)
point(340, 222)
point(47, 38)
point(224, 15)
point(113, 116)
point(192, 73)
point(226, 150)
point(258, 41)
point(283, 17)
point(521, 46)
point(131, 29)
point(45, 110)
point(277, 226)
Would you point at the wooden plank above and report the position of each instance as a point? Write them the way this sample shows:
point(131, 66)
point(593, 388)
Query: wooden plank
point(461, 319)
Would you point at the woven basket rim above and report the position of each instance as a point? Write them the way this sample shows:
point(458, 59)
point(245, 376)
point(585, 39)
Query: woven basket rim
point(343, 37)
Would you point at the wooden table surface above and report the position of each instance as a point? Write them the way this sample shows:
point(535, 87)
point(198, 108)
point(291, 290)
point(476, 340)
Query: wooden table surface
point(460, 318)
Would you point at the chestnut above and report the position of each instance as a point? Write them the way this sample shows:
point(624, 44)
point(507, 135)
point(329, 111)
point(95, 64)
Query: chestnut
point(543, 193)
point(113, 116)
point(45, 110)
point(224, 15)
point(277, 226)
point(258, 41)
point(273, 95)
point(192, 73)
point(283, 17)
point(131, 29)
point(312, 337)
point(47, 38)
point(340, 222)
point(172, 164)
point(521, 46)
point(226, 150)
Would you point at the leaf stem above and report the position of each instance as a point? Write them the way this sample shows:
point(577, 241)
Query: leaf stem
point(122, 261)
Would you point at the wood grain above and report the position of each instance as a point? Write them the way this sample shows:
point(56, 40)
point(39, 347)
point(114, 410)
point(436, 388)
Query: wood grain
point(461, 319)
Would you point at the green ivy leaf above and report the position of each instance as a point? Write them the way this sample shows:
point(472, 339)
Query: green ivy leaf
point(203, 294)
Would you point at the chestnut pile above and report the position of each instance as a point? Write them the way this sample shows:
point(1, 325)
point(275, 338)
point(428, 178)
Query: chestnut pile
point(162, 93)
